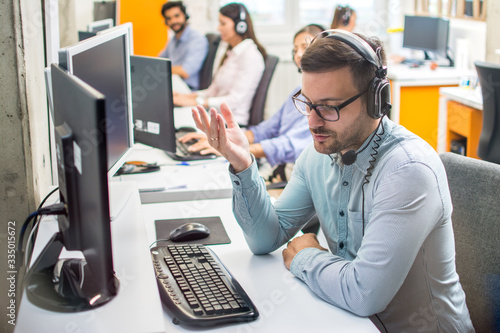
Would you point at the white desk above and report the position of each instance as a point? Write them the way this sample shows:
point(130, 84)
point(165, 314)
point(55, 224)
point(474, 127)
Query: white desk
point(404, 76)
point(137, 306)
point(284, 302)
point(468, 97)
point(415, 97)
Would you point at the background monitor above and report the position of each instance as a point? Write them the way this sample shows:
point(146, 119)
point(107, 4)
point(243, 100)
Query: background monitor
point(104, 9)
point(85, 34)
point(100, 25)
point(429, 34)
point(103, 61)
point(73, 284)
point(152, 102)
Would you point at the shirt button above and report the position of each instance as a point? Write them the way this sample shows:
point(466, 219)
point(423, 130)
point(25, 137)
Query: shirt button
point(341, 245)
point(237, 182)
point(345, 183)
point(341, 213)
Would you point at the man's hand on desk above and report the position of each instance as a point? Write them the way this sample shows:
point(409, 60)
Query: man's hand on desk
point(225, 135)
point(184, 99)
point(298, 244)
point(201, 145)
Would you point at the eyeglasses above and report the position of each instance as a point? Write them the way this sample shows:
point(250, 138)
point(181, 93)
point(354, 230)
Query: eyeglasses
point(325, 112)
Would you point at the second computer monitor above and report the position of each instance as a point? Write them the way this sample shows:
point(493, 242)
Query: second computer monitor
point(103, 61)
point(429, 34)
point(152, 102)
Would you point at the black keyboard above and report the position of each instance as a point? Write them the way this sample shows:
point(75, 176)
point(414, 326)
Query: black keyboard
point(197, 289)
point(182, 153)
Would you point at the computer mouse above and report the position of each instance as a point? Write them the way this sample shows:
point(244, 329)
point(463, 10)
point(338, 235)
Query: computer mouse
point(189, 232)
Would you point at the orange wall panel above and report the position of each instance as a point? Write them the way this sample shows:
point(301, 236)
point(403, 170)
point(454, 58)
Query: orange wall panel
point(150, 33)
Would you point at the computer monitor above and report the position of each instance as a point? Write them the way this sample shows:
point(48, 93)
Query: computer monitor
point(153, 106)
point(100, 25)
point(429, 34)
point(75, 284)
point(85, 34)
point(152, 102)
point(103, 61)
point(127, 25)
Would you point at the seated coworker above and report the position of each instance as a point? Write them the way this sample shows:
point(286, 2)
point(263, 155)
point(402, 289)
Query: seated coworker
point(281, 138)
point(241, 60)
point(187, 49)
point(380, 193)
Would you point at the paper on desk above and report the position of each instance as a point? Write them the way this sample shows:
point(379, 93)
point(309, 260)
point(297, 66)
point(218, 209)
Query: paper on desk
point(154, 181)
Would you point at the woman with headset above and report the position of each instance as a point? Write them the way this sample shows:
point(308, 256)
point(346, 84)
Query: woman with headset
point(238, 66)
point(281, 138)
point(344, 18)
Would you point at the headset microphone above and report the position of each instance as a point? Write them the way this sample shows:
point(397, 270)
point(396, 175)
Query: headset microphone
point(350, 156)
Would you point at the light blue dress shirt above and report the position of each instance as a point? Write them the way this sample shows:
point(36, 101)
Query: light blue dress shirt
point(399, 268)
point(283, 136)
point(190, 52)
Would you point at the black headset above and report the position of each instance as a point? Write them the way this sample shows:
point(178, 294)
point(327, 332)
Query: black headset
point(240, 25)
point(346, 17)
point(379, 96)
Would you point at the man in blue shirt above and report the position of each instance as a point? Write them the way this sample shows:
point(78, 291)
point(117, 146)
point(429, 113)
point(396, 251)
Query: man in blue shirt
point(187, 49)
point(380, 193)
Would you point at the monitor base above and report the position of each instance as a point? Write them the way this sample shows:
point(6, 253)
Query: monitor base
point(65, 285)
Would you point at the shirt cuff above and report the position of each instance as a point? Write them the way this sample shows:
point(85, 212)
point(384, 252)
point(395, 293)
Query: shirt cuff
point(305, 258)
point(245, 178)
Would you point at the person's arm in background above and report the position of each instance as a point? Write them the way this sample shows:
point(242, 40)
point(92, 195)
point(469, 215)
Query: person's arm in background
point(281, 138)
point(194, 57)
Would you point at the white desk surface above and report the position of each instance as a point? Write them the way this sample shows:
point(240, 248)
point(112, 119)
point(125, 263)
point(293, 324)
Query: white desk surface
point(285, 303)
point(137, 306)
point(424, 76)
point(469, 97)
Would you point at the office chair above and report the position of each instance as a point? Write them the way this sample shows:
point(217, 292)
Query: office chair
point(208, 64)
point(489, 140)
point(475, 191)
point(259, 99)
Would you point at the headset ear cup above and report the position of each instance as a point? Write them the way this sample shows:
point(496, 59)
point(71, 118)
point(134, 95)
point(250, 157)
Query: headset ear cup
point(241, 27)
point(371, 102)
point(379, 98)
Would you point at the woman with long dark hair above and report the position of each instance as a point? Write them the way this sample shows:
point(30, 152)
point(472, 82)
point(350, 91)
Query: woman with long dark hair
point(238, 66)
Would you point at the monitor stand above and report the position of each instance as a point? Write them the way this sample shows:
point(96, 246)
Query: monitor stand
point(64, 285)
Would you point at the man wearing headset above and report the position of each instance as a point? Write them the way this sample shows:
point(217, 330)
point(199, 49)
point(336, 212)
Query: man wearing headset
point(187, 49)
point(379, 191)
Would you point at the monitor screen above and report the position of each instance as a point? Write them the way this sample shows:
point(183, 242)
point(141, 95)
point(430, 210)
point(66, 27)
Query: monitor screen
point(152, 102)
point(427, 34)
point(75, 284)
point(103, 61)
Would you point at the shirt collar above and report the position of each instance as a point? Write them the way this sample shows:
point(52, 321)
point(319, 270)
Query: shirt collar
point(185, 34)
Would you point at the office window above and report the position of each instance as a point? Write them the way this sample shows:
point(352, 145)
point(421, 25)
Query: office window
point(289, 15)
point(264, 12)
point(321, 11)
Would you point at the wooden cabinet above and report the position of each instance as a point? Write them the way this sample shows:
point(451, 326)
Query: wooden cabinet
point(464, 124)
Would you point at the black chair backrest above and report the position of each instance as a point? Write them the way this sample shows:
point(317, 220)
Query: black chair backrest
point(259, 99)
point(489, 141)
point(208, 64)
